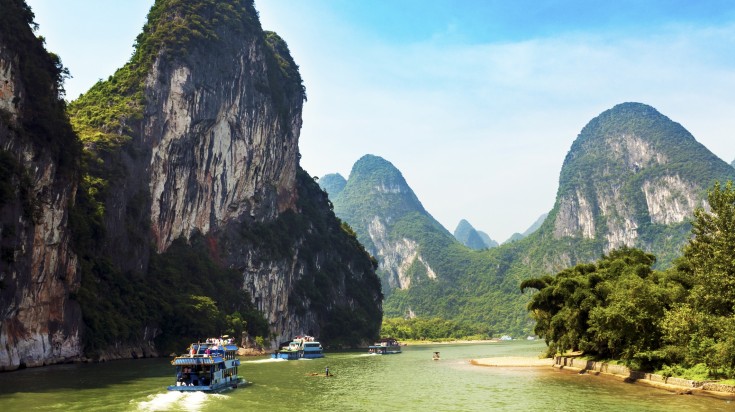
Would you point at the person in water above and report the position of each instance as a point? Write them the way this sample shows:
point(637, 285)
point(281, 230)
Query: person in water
point(326, 371)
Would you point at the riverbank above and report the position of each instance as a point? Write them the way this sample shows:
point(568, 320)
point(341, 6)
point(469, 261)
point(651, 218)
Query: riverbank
point(625, 374)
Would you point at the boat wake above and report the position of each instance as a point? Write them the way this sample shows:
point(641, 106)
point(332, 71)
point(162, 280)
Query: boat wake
point(185, 401)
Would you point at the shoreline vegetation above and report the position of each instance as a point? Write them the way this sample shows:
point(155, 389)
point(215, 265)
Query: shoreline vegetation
point(676, 321)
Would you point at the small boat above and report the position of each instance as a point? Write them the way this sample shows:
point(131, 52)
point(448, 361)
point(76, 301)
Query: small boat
point(302, 347)
point(207, 367)
point(386, 346)
point(435, 356)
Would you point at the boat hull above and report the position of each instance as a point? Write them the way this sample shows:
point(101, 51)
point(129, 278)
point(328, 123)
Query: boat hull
point(384, 350)
point(285, 355)
point(386, 346)
point(296, 355)
point(207, 388)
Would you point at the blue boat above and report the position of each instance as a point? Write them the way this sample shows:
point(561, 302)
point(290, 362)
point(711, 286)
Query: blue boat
point(387, 346)
point(207, 367)
point(302, 347)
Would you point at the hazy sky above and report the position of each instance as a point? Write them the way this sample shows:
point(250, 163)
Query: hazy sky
point(476, 102)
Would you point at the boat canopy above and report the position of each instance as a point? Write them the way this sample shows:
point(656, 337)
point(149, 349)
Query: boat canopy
point(200, 347)
point(206, 360)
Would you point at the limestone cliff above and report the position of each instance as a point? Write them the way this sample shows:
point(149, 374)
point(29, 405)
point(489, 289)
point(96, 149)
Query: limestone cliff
point(38, 269)
point(189, 214)
point(631, 175)
point(208, 144)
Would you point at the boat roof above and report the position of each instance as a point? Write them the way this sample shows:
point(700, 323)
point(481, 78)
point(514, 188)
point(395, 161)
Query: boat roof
point(197, 360)
point(210, 345)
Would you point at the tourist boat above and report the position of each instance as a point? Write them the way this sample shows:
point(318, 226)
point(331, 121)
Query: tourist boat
point(302, 347)
point(387, 346)
point(207, 367)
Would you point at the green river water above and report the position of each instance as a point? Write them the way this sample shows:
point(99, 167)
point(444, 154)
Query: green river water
point(410, 381)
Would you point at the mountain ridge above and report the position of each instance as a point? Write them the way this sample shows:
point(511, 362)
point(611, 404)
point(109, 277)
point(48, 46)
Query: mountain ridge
point(632, 178)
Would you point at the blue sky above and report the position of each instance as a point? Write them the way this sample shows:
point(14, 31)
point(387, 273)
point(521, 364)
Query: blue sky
point(476, 102)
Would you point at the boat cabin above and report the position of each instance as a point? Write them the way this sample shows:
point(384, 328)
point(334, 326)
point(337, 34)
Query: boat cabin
point(207, 367)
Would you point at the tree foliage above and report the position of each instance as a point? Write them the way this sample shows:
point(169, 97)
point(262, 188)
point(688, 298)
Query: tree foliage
point(620, 307)
point(611, 308)
point(702, 328)
point(434, 329)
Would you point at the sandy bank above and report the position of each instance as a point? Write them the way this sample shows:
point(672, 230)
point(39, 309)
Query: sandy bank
point(513, 361)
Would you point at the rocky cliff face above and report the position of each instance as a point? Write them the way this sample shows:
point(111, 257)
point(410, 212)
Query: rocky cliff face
point(631, 172)
point(216, 150)
point(219, 150)
point(397, 256)
point(197, 137)
point(38, 269)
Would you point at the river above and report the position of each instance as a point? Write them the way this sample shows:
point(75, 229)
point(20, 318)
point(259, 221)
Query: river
point(410, 381)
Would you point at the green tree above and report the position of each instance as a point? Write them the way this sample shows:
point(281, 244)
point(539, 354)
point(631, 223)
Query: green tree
point(612, 308)
point(710, 254)
point(702, 329)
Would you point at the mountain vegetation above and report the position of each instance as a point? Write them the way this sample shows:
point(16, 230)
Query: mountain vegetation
point(673, 320)
point(631, 180)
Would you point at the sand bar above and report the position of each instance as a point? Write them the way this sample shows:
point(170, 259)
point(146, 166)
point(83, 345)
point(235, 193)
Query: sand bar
point(513, 361)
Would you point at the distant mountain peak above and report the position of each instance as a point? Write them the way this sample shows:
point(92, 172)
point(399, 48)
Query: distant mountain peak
point(333, 184)
point(391, 222)
point(534, 227)
point(374, 176)
point(468, 236)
